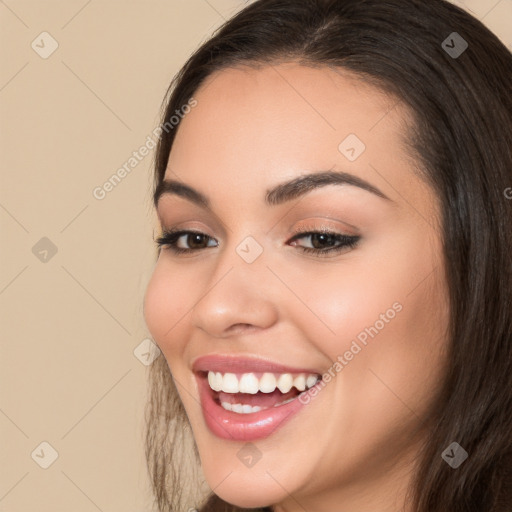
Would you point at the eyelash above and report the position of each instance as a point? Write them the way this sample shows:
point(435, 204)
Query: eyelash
point(169, 239)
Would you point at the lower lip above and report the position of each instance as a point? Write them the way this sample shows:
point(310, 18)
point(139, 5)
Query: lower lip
point(243, 427)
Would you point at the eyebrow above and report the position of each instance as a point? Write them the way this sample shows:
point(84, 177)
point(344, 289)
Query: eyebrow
point(277, 195)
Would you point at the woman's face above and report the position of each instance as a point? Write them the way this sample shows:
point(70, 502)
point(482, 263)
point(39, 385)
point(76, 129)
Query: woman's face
point(251, 307)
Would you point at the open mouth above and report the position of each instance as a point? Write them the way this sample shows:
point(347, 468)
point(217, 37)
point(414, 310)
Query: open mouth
point(246, 393)
point(246, 398)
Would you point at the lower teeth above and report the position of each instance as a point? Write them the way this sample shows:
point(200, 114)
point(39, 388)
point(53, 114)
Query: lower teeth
point(247, 409)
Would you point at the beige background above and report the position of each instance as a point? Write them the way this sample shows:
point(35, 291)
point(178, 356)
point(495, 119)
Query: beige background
point(72, 320)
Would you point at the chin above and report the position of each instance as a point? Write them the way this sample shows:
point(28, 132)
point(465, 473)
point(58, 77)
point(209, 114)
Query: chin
point(249, 492)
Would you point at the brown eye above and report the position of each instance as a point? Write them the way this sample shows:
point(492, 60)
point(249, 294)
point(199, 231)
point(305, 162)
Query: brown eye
point(174, 240)
point(194, 240)
point(322, 242)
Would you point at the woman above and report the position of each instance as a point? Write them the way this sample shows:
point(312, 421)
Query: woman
point(333, 289)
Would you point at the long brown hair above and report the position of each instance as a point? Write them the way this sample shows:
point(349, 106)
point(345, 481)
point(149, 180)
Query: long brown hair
point(462, 141)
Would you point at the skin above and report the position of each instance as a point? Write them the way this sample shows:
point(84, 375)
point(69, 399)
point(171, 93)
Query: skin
point(352, 447)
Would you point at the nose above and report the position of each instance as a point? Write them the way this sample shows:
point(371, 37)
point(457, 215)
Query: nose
point(238, 296)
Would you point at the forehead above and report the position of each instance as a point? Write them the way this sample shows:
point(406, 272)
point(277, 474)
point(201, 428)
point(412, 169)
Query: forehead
point(256, 126)
point(288, 108)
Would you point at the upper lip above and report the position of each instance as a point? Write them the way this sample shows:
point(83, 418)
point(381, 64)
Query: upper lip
point(225, 363)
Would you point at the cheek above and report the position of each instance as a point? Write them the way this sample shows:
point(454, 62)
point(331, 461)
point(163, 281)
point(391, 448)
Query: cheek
point(341, 304)
point(166, 302)
point(381, 322)
point(387, 351)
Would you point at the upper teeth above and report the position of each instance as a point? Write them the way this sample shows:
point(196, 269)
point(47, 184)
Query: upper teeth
point(267, 383)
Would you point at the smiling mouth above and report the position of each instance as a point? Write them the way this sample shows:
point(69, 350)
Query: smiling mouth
point(249, 397)
point(246, 393)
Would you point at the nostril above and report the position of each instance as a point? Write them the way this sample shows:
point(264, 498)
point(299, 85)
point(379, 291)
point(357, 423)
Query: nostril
point(241, 328)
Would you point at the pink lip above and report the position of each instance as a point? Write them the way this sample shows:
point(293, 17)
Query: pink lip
point(237, 364)
point(242, 427)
